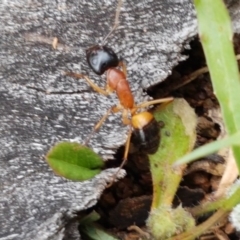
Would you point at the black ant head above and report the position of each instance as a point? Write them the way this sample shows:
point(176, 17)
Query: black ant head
point(101, 58)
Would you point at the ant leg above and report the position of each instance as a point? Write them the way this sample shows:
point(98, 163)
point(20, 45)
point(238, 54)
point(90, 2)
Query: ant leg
point(123, 65)
point(125, 118)
point(146, 104)
point(100, 123)
point(126, 151)
point(90, 82)
point(116, 22)
point(125, 111)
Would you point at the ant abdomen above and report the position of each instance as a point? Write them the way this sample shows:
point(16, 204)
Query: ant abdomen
point(101, 58)
point(145, 136)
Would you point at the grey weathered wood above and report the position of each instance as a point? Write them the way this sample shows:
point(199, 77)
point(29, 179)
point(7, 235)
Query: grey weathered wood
point(40, 106)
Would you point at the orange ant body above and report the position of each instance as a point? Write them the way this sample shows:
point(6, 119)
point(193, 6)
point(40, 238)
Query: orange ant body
point(144, 128)
point(143, 125)
point(103, 59)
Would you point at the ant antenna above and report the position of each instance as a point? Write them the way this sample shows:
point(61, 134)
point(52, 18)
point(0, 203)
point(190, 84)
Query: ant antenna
point(116, 22)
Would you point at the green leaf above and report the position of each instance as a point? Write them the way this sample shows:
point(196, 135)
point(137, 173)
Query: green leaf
point(74, 161)
point(177, 139)
point(91, 231)
point(209, 149)
point(94, 232)
point(215, 32)
point(90, 218)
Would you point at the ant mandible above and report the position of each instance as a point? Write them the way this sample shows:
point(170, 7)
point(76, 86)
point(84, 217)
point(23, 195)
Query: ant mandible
point(143, 125)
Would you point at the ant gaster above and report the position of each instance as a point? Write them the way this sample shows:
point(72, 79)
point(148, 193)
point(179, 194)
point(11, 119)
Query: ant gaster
point(143, 125)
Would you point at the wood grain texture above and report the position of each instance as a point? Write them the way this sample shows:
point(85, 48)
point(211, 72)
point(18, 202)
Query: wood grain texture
point(40, 106)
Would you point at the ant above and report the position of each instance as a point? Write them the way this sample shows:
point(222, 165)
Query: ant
point(144, 129)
